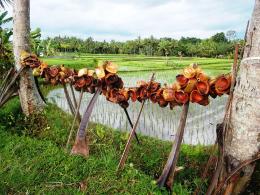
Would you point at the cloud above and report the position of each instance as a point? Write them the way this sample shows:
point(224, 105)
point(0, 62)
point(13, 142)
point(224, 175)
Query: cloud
point(123, 20)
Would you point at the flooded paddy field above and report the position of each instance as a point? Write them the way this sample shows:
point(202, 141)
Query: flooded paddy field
point(155, 121)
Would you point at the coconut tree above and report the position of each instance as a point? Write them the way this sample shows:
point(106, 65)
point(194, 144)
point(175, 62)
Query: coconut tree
point(30, 98)
point(242, 136)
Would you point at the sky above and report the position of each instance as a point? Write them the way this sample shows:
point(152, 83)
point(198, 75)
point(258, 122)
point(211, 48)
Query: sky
point(125, 20)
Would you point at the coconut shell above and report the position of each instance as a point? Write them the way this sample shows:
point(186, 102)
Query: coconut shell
point(100, 72)
point(132, 94)
point(111, 67)
point(53, 71)
point(190, 85)
point(181, 97)
point(168, 94)
point(222, 84)
point(189, 72)
point(182, 80)
point(203, 87)
point(110, 79)
point(196, 96)
point(82, 72)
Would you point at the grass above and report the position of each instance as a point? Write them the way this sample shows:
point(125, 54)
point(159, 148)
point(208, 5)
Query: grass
point(133, 63)
point(33, 160)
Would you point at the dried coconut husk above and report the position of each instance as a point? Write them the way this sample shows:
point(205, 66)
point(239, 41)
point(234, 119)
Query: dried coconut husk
point(189, 72)
point(79, 82)
point(173, 104)
point(205, 101)
point(88, 80)
point(110, 67)
point(222, 84)
point(212, 90)
point(190, 85)
point(132, 92)
point(142, 93)
point(118, 85)
point(202, 77)
point(181, 97)
point(82, 72)
point(182, 80)
point(154, 86)
point(162, 103)
point(36, 72)
point(53, 71)
point(110, 79)
point(100, 72)
point(196, 96)
point(203, 87)
point(168, 94)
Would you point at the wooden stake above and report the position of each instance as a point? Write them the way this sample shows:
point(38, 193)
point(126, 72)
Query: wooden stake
point(75, 117)
point(167, 176)
point(71, 107)
point(131, 124)
point(130, 138)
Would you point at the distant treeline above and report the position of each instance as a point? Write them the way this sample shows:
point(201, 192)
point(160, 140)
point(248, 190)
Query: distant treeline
point(216, 46)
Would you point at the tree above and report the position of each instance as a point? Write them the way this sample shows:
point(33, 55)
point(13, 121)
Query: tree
point(35, 40)
point(242, 141)
point(30, 98)
point(219, 38)
point(6, 57)
point(165, 47)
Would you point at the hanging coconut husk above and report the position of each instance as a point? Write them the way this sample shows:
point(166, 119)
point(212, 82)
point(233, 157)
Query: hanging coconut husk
point(203, 87)
point(181, 97)
point(100, 72)
point(189, 72)
point(202, 77)
point(132, 94)
point(110, 67)
point(110, 79)
point(190, 85)
point(222, 84)
point(182, 80)
point(196, 96)
point(162, 103)
point(168, 94)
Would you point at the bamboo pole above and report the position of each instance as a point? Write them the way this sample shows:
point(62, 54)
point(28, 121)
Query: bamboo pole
point(131, 124)
point(130, 138)
point(75, 117)
point(167, 176)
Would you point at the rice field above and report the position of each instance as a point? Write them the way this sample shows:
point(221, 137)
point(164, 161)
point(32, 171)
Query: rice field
point(155, 121)
point(134, 63)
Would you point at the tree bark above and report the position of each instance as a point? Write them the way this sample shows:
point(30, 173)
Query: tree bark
point(243, 135)
point(30, 98)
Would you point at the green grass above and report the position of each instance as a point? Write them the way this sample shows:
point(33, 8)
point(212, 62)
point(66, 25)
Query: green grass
point(132, 63)
point(33, 160)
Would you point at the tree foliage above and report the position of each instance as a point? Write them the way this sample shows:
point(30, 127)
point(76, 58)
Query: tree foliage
point(215, 46)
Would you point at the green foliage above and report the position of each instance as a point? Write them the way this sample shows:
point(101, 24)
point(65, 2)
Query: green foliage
point(37, 163)
point(187, 46)
point(6, 56)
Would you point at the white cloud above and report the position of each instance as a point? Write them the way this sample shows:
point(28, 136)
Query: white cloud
point(122, 20)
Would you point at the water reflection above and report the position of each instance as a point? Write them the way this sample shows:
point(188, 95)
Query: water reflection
point(155, 121)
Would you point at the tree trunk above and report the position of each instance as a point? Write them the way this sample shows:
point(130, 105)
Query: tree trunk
point(243, 136)
point(30, 98)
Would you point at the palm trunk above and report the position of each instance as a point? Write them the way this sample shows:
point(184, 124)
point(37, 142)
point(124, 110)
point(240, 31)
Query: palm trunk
point(30, 98)
point(242, 139)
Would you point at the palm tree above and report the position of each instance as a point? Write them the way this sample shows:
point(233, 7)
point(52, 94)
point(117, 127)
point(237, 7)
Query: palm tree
point(30, 98)
point(5, 45)
point(241, 129)
point(4, 2)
